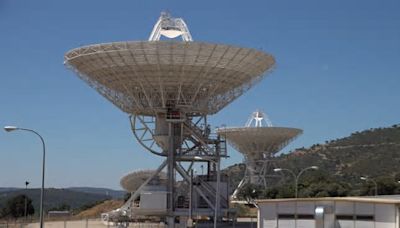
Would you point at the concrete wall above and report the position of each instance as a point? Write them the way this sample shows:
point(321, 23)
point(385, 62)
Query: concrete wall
point(337, 214)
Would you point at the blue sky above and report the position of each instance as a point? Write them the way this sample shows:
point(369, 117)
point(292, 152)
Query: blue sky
point(337, 72)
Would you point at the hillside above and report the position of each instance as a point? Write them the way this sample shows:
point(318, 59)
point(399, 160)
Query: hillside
point(8, 189)
point(374, 153)
point(106, 206)
point(114, 194)
point(55, 198)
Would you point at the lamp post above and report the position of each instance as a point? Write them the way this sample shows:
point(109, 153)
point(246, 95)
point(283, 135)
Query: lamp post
point(190, 220)
point(296, 177)
point(26, 200)
point(13, 128)
point(369, 179)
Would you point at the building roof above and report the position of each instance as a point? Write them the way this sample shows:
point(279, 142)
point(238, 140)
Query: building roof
point(389, 199)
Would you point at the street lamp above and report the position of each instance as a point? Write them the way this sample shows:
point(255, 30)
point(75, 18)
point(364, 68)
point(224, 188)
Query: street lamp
point(369, 179)
point(26, 200)
point(13, 128)
point(296, 177)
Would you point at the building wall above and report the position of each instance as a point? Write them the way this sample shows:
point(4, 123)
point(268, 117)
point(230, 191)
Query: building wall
point(153, 200)
point(338, 214)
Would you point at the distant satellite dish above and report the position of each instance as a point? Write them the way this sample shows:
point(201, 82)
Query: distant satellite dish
point(132, 181)
point(258, 141)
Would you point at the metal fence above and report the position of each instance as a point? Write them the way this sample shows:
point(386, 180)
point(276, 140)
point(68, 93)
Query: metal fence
point(97, 223)
point(84, 223)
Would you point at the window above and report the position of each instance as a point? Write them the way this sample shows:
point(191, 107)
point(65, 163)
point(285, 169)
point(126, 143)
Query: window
point(344, 217)
point(357, 217)
point(293, 216)
point(365, 217)
point(305, 216)
point(286, 216)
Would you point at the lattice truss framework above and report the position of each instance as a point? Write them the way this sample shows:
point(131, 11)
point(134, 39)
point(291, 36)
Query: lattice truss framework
point(149, 77)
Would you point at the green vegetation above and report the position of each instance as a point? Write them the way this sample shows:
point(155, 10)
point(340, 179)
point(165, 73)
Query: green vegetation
point(62, 207)
point(15, 207)
point(127, 196)
point(374, 153)
point(55, 199)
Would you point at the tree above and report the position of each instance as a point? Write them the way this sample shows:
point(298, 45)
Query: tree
point(127, 196)
point(250, 191)
point(62, 207)
point(15, 207)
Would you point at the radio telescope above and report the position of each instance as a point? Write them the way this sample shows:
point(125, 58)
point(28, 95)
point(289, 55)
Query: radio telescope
point(168, 87)
point(258, 141)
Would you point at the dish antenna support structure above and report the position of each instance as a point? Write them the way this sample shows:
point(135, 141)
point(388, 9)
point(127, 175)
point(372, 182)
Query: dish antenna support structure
point(169, 88)
point(258, 141)
point(170, 28)
point(258, 119)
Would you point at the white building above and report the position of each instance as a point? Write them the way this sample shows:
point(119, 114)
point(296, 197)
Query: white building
point(334, 212)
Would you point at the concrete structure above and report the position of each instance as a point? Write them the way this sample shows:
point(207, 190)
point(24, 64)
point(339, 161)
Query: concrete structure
point(334, 212)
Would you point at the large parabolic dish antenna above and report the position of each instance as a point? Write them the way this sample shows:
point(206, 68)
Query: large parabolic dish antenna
point(176, 84)
point(258, 141)
point(149, 77)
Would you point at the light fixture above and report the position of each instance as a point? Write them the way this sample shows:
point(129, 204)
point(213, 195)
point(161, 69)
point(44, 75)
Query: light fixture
point(10, 128)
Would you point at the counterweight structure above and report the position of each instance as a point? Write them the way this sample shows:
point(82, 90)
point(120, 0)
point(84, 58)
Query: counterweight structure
point(169, 87)
point(258, 141)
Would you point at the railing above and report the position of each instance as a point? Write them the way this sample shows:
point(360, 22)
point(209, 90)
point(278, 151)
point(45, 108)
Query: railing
point(209, 143)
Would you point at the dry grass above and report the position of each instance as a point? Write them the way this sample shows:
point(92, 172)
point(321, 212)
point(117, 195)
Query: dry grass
point(96, 211)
